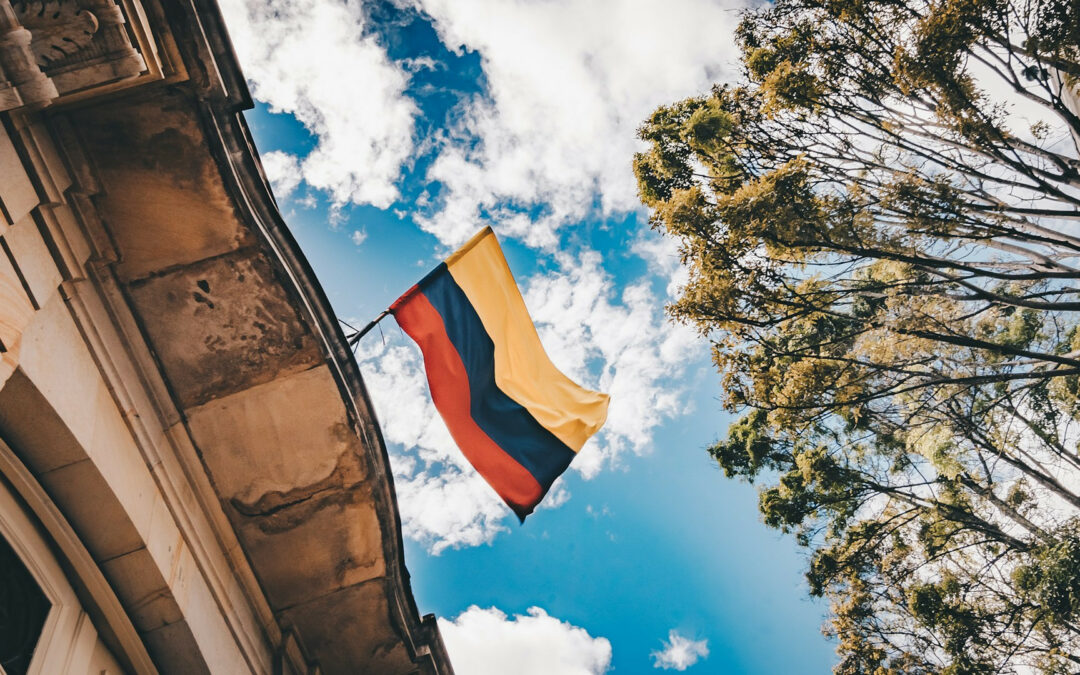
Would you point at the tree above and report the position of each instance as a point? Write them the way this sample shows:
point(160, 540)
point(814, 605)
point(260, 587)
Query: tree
point(880, 223)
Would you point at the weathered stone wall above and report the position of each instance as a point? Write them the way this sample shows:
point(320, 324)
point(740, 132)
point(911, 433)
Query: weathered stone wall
point(175, 395)
point(73, 411)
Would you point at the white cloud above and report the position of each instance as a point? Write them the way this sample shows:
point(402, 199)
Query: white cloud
point(664, 256)
point(620, 344)
point(419, 63)
point(614, 342)
point(311, 58)
point(549, 144)
point(558, 495)
point(359, 237)
point(283, 172)
point(569, 82)
point(444, 503)
point(487, 642)
point(679, 653)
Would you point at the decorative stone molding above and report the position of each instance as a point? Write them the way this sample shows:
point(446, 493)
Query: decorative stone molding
point(58, 28)
point(15, 313)
point(68, 641)
point(108, 54)
point(22, 83)
point(53, 48)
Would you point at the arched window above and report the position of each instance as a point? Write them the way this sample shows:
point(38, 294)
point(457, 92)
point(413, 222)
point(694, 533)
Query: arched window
point(23, 610)
point(43, 628)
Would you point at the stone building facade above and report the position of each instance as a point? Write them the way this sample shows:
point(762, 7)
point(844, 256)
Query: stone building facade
point(192, 479)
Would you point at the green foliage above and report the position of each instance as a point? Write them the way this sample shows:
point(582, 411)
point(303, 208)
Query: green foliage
point(886, 272)
point(1051, 581)
point(747, 449)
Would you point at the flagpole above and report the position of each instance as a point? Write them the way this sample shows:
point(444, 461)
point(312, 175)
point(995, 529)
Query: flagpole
point(473, 241)
point(355, 337)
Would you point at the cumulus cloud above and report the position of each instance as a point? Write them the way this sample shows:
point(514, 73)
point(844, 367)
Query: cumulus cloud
point(283, 172)
point(549, 143)
point(313, 60)
point(663, 254)
point(444, 503)
point(486, 641)
point(616, 342)
point(679, 653)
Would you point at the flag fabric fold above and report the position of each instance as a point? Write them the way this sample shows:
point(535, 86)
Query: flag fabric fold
point(517, 419)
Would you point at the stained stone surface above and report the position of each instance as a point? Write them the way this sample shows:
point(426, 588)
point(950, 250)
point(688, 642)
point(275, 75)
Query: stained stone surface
point(222, 325)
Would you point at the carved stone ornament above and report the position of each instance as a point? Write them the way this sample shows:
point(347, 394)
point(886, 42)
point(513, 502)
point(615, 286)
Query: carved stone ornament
point(21, 81)
point(51, 48)
point(59, 28)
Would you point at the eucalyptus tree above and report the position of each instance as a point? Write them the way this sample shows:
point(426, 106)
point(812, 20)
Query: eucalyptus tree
point(880, 221)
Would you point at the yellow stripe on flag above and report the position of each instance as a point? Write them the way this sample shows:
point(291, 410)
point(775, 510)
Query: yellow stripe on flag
point(523, 370)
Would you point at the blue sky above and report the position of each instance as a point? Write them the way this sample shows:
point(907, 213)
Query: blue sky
point(391, 132)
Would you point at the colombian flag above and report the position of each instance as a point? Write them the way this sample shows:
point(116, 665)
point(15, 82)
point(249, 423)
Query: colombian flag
point(516, 418)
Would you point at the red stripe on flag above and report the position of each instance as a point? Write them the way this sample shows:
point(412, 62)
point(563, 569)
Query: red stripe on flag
point(449, 384)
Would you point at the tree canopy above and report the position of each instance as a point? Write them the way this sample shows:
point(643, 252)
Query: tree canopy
point(880, 221)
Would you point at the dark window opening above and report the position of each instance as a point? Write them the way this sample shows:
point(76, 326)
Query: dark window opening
point(23, 609)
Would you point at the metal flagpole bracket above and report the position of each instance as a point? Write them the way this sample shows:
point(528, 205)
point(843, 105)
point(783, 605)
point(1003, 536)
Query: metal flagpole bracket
point(354, 337)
